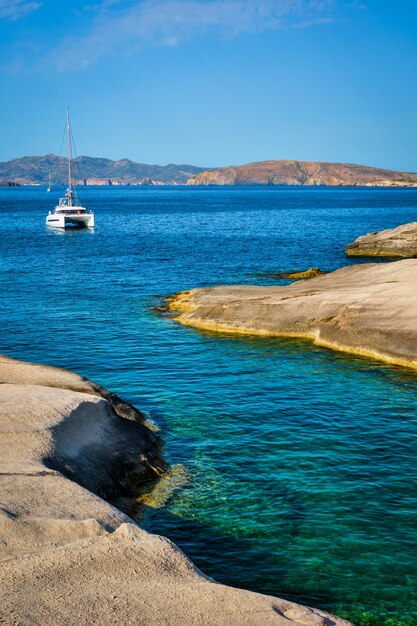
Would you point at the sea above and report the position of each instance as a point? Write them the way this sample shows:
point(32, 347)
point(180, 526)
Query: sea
point(293, 467)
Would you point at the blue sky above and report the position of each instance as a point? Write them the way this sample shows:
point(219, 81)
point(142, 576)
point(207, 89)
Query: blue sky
point(212, 82)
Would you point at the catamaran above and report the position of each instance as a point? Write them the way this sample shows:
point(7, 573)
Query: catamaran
point(69, 212)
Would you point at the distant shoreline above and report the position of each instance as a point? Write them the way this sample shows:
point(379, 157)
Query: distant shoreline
point(95, 171)
point(11, 184)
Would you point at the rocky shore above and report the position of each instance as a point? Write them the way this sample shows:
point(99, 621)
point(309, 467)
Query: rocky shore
point(368, 310)
point(68, 448)
point(394, 242)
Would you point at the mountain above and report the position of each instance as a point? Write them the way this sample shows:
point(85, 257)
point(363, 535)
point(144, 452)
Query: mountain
point(35, 170)
point(90, 170)
point(303, 173)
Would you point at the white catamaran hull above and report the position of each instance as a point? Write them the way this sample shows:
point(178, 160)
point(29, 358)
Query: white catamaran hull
point(60, 220)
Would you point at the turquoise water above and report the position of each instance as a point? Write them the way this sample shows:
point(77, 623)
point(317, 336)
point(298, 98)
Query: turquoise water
point(298, 464)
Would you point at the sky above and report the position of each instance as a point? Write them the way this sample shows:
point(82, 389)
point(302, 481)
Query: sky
point(212, 82)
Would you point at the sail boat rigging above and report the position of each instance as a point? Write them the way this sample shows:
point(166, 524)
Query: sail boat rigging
point(69, 211)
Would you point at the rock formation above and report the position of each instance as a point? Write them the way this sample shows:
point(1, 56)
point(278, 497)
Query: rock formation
point(303, 173)
point(67, 556)
point(395, 242)
point(312, 272)
point(99, 182)
point(369, 310)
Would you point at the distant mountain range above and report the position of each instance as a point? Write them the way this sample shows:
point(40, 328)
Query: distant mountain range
point(35, 170)
point(303, 173)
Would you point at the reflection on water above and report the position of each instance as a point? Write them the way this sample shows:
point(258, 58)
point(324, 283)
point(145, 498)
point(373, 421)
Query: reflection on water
point(69, 231)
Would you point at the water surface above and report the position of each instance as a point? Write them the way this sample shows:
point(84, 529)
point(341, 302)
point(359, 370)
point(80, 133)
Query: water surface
point(299, 466)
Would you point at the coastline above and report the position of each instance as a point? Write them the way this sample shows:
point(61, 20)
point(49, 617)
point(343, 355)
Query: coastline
point(67, 555)
point(348, 310)
point(399, 242)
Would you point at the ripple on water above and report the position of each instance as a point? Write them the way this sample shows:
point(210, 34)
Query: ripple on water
point(299, 463)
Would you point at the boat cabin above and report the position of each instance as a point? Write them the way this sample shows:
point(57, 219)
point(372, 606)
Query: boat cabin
point(65, 205)
point(73, 210)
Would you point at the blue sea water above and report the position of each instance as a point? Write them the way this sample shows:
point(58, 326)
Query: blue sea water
point(298, 463)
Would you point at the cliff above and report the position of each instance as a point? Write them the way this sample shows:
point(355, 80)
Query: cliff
point(303, 173)
point(35, 170)
point(68, 556)
point(117, 182)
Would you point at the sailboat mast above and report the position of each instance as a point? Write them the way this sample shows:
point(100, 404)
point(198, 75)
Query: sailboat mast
point(69, 156)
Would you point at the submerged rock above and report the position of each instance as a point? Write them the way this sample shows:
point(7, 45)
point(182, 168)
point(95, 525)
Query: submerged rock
point(67, 556)
point(312, 272)
point(394, 242)
point(369, 309)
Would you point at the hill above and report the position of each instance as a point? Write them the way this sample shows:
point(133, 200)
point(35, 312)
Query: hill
point(32, 170)
point(303, 173)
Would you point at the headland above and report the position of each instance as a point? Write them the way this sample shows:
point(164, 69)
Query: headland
point(368, 310)
point(297, 173)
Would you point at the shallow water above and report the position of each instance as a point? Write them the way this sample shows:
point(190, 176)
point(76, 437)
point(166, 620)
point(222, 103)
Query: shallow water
point(299, 462)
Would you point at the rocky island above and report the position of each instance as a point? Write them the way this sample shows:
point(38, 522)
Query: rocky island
point(68, 555)
point(368, 310)
point(394, 242)
point(35, 170)
point(304, 173)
